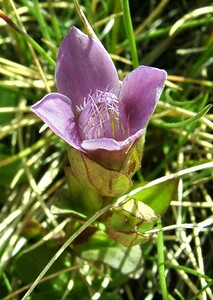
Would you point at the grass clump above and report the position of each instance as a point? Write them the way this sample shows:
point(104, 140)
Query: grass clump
point(176, 263)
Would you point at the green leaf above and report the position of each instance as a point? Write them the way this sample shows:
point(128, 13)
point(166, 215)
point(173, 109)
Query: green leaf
point(128, 261)
point(110, 296)
point(47, 293)
point(8, 99)
point(159, 196)
point(28, 265)
point(8, 174)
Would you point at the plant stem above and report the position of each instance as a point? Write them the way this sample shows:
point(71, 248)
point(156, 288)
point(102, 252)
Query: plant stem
point(161, 267)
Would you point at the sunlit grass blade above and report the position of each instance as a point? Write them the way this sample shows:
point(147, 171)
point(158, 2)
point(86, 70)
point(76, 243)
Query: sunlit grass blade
point(35, 45)
point(130, 32)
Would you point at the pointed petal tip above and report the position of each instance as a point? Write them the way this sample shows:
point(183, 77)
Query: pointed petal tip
point(152, 73)
point(83, 66)
point(140, 93)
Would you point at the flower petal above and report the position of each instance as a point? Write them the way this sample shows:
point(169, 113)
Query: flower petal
point(84, 66)
point(56, 111)
point(111, 144)
point(140, 93)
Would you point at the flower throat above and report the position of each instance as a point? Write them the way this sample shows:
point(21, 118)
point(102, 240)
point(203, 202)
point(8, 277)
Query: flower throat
point(101, 116)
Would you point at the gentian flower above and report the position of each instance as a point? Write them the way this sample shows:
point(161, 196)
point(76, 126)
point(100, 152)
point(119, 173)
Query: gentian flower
point(92, 111)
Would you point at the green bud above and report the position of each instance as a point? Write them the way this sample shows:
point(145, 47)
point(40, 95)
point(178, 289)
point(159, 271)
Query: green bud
point(130, 221)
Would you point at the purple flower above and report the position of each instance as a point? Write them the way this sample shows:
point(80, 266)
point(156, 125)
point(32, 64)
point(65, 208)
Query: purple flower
point(92, 112)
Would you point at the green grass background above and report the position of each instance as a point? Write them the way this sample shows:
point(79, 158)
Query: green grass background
point(174, 35)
